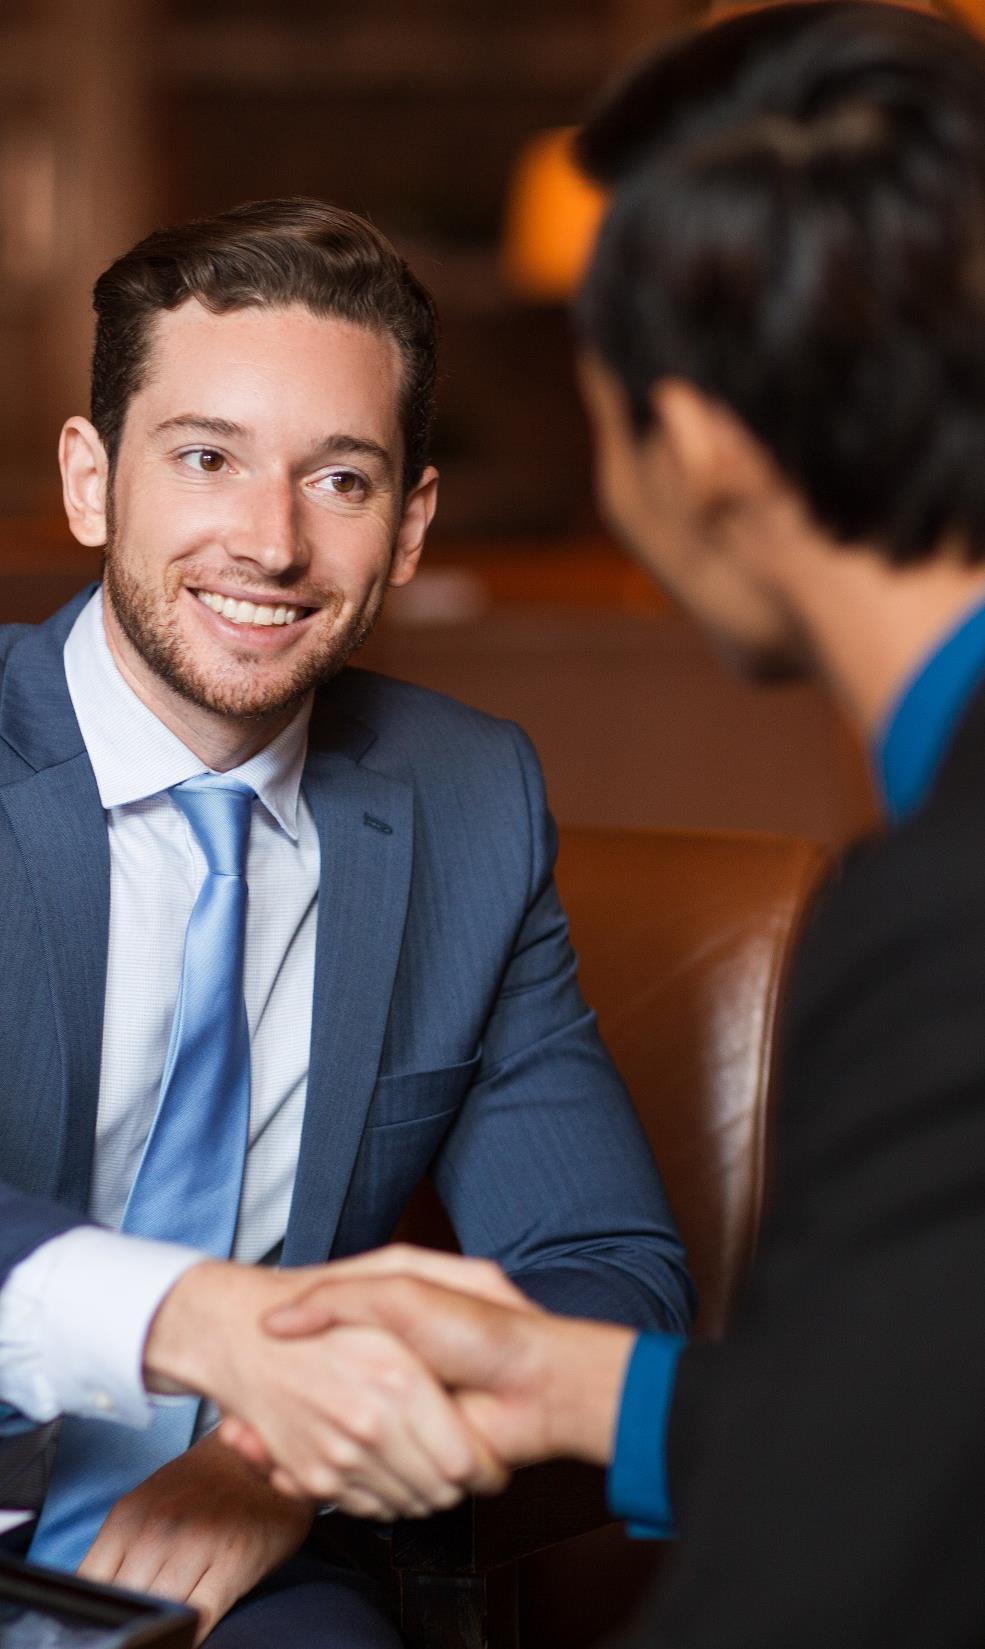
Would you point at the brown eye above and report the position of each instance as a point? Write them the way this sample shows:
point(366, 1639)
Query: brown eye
point(204, 460)
point(341, 484)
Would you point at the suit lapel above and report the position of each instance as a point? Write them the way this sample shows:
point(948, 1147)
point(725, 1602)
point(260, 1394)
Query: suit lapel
point(56, 816)
point(365, 828)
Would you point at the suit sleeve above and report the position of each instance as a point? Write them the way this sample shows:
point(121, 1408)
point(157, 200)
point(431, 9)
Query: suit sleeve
point(547, 1169)
point(26, 1222)
point(827, 1461)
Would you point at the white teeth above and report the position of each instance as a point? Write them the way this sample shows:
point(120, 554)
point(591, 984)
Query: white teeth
point(245, 612)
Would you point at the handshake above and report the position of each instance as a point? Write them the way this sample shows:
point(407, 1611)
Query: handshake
point(391, 1384)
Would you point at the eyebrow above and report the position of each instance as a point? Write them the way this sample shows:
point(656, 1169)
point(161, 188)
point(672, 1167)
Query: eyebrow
point(198, 421)
point(338, 445)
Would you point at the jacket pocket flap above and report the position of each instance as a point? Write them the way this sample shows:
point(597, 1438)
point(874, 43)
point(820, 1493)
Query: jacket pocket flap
point(420, 1094)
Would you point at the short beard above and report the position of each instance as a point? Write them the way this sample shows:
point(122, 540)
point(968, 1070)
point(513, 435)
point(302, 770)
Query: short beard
point(167, 654)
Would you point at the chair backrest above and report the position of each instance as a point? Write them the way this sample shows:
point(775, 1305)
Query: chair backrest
point(683, 942)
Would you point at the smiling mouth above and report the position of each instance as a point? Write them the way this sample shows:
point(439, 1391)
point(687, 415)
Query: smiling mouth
point(249, 613)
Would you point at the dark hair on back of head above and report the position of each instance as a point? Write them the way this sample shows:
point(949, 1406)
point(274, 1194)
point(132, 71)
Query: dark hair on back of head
point(798, 229)
point(265, 253)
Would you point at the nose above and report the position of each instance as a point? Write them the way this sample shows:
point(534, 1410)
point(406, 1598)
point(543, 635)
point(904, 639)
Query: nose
point(268, 531)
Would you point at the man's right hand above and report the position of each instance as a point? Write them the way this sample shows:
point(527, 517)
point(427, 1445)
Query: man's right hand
point(351, 1416)
point(534, 1385)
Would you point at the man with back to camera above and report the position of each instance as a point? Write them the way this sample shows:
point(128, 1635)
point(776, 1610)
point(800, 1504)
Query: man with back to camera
point(272, 949)
point(783, 338)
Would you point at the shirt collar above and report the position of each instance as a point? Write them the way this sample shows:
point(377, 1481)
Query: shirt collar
point(134, 755)
point(917, 732)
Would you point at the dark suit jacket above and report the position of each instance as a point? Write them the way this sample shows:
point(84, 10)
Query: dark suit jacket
point(448, 1033)
point(828, 1460)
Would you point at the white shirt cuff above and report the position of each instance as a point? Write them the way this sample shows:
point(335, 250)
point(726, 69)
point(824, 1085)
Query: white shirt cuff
point(74, 1319)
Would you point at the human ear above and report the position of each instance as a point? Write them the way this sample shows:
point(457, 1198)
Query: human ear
point(719, 464)
point(85, 481)
point(418, 513)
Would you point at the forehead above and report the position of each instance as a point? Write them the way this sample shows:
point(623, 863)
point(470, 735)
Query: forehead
point(273, 369)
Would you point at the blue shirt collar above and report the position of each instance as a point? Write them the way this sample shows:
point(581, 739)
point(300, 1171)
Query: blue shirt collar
point(917, 732)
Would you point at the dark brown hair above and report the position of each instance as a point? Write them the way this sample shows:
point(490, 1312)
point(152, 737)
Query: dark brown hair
point(265, 253)
point(798, 228)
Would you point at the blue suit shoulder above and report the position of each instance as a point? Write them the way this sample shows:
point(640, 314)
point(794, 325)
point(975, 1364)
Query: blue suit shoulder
point(9, 635)
point(12, 765)
point(415, 727)
point(385, 701)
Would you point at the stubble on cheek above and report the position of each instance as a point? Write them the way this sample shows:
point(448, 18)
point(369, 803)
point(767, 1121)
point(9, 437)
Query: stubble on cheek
point(240, 685)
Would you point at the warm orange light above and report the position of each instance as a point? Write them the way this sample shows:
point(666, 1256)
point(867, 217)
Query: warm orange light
point(971, 13)
point(552, 219)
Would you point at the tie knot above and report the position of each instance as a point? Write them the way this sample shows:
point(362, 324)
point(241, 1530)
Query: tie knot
point(218, 810)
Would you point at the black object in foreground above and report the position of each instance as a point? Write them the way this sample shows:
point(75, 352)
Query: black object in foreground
point(44, 1609)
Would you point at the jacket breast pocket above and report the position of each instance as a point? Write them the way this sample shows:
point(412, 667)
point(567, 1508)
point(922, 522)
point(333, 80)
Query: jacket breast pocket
point(406, 1125)
point(420, 1096)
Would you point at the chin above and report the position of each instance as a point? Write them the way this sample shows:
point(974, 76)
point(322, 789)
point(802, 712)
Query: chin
point(237, 689)
point(771, 666)
point(234, 695)
point(219, 681)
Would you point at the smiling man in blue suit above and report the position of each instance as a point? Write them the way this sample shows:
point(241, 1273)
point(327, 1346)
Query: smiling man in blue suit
point(280, 938)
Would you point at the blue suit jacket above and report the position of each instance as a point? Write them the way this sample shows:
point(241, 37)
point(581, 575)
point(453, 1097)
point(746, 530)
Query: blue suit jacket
point(448, 1033)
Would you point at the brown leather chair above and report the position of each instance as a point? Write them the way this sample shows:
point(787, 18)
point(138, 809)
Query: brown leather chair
point(683, 943)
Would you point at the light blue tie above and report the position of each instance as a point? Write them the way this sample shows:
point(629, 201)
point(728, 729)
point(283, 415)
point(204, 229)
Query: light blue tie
point(188, 1184)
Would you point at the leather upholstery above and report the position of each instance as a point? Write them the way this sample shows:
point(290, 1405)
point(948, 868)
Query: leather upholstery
point(683, 943)
point(683, 940)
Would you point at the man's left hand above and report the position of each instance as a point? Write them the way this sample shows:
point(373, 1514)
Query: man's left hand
point(202, 1530)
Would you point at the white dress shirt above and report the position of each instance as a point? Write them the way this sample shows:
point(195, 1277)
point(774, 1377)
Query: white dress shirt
point(51, 1359)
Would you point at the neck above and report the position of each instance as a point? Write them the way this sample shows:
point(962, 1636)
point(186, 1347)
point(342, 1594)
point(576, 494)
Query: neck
point(221, 742)
point(869, 626)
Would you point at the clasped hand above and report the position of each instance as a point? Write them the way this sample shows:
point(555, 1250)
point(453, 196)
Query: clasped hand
point(345, 1412)
point(389, 1385)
